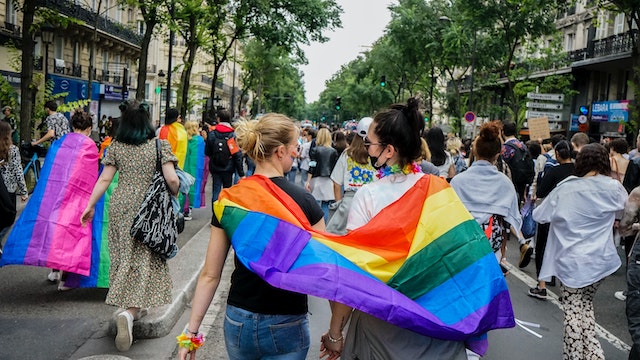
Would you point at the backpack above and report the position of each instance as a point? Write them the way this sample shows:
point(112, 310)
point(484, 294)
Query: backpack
point(222, 149)
point(521, 164)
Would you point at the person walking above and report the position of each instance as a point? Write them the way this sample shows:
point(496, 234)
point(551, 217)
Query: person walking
point(489, 194)
point(12, 177)
point(393, 144)
point(139, 278)
point(225, 158)
point(10, 118)
point(43, 234)
point(439, 155)
point(552, 177)
point(308, 136)
point(580, 251)
point(323, 158)
point(194, 165)
point(517, 156)
point(57, 124)
point(173, 131)
point(261, 321)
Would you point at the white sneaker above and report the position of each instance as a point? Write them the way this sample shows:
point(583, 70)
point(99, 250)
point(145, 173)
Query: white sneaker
point(620, 295)
point(53, 276)
point(124, 326)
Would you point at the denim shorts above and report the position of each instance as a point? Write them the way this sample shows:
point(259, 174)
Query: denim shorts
point(249, 335)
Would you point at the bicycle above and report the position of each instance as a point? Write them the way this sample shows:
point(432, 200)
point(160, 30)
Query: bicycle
point(31, 166)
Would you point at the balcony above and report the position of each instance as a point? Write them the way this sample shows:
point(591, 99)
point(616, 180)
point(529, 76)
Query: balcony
point(76, 70)
point(612, 45)
point(76, 11)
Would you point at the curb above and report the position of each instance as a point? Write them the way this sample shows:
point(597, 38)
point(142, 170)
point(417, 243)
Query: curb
point(184, 273)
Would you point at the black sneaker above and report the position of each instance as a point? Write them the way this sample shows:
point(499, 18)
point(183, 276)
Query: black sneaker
point(536, 292)
point(525, 255)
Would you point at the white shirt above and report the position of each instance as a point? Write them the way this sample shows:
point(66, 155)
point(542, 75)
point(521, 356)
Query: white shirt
point(444, 168)
point(304, 155)
point(350, 174)
point(581, 211)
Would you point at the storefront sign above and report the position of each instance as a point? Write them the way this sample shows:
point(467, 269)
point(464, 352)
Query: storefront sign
point(610, 111)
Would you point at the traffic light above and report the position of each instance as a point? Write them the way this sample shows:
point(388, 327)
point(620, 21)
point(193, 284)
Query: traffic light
point(383, 81)
point(338, 102)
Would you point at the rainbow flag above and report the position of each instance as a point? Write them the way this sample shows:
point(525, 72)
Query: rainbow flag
point(430, 271)
point(177, 137)
point(48, 232)
point(194, 164)
point(100, 259)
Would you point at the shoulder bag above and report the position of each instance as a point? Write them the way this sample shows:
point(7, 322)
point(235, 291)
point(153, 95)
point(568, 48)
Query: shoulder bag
point(155, 224)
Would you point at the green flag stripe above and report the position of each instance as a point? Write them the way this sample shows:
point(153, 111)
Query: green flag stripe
point(463, 245)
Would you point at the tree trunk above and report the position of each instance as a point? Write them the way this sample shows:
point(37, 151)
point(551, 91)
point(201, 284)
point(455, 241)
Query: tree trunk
point(144, 55)
point(27, 87)
point(185, 77)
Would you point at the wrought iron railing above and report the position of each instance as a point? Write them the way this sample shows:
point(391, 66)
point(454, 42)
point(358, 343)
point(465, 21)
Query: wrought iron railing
point(612, 45)
point(76, 70)
point(76, 11)
point(37, 63)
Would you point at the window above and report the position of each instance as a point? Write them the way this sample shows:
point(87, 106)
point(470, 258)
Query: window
point(119, 14)
point(105, 60)
point(37, 50)
point(601, 30)
point(76, 53)
point(58, 48)
point(570, 40)
point(11, 13)
point(107, 8)
point(618, 24)
point(141, 27)
point(147, 91)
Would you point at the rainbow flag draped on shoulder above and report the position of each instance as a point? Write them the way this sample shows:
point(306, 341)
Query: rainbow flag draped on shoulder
point(194, 164)
point(423, 263)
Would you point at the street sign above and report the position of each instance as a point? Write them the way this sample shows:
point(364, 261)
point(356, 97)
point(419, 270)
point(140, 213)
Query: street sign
point(554, 116)
point(548, 106)
point(470, 117)
point(548, 97)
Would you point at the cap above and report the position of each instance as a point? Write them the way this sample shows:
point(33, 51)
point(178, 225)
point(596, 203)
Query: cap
point(363, 126)
point(6, 107)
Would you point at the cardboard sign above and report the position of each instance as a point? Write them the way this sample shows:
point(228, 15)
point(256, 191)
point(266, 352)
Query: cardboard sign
point(539, 128)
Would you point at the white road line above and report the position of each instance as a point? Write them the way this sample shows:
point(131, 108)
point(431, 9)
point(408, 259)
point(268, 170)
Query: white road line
point(553, 298)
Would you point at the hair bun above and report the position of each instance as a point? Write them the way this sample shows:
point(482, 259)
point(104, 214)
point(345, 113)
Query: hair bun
point(490, 131)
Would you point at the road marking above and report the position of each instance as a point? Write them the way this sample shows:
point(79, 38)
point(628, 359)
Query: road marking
point(553, 298)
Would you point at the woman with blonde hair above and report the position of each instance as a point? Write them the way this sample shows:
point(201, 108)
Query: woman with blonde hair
point(323, 159)
point(195, 165)
point(454, 144)
point(258, 315)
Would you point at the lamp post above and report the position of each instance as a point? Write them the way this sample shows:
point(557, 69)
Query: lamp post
point(46, 34)
point(161, 76)
point(171, 39)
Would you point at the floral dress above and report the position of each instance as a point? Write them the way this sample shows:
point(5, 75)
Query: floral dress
point(138, 277)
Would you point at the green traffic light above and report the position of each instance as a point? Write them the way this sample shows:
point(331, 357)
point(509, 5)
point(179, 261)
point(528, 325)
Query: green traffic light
point(337, 107)
point(383, 84)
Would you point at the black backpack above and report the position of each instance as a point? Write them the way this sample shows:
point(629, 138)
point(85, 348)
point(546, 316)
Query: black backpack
point(521, 164)
point(220, 152)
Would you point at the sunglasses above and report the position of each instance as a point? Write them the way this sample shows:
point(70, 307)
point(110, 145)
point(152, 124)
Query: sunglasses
point(368, 143)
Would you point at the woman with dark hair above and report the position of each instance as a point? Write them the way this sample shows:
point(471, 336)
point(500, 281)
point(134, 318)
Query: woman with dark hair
point(552, 177)
point(393, 144)
point(487, 193)
point(139, 278)
point(618, 148)
point(339, 141)
point(439, 156)
point(12, 176)
point(580, 252)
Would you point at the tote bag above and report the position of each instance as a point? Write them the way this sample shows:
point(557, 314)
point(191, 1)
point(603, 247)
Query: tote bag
point(155, 224)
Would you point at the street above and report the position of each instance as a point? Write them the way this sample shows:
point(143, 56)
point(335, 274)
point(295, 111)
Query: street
point(75, 324)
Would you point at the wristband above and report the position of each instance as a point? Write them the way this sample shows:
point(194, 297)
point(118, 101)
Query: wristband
point(334, 340)
point(190, 343)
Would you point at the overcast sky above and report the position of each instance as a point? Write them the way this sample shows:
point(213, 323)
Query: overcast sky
point(363, 22)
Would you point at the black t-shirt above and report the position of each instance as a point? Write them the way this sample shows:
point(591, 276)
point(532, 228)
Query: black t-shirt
point(553, 177)
point(248, 291)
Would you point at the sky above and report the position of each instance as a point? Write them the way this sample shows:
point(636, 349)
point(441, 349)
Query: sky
point(363, 22)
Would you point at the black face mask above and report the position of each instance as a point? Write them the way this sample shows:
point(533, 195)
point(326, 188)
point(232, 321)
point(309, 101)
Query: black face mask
point(374, 161)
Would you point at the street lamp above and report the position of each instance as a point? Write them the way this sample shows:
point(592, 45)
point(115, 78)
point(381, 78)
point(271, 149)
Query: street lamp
point(46, 34)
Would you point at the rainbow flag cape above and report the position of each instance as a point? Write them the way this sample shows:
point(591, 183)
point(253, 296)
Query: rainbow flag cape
point(100, 259)
point(430, 270)
point(48, 232)
point(194, 164)
point(177, 137)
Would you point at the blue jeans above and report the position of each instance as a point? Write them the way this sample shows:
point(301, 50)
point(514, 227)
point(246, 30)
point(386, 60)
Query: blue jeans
point(291, 175)
point(303, 177)
point(220, 180)
point(249, 335)
point(324, 204)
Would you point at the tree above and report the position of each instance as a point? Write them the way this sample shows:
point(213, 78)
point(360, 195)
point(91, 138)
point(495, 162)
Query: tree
point(510, 24)
point(151, 14)
point(282, 24)
point(190, 22)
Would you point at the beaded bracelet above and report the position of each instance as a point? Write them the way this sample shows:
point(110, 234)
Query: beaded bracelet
point(190, 343)
point(334, 340)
